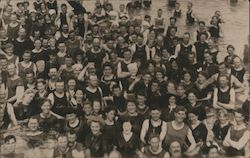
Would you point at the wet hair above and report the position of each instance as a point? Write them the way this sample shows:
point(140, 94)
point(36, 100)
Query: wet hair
point(204, 73)
point(9, 137)
point(172, 18)
point(202, 22)
point(180, 108)
point(141, 93)
point(155, 107)
point(110, 108)
point(230, 46)
point(194, 111)
point(71, 111)
point(154, 135)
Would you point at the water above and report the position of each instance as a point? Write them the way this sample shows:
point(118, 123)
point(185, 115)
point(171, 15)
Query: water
point(236, 17)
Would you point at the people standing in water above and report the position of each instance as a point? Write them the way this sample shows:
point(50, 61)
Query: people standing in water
point(126, 84)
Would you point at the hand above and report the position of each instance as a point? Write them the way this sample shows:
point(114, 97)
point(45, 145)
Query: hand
point(137, 79)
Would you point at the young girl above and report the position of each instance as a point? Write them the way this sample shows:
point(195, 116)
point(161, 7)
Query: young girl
point(96, 145)
point(127, 142)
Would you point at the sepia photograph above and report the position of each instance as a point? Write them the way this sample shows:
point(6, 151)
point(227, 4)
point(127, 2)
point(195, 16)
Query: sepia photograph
point(124, 79)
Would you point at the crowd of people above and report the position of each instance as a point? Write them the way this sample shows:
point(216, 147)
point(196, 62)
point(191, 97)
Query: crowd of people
point(112, 84)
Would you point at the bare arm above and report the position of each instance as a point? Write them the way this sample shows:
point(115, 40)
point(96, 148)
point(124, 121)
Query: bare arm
point(120, 73)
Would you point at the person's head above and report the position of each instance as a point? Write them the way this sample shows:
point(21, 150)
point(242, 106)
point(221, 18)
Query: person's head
point(116, 90)
point(189, 5)
point(9, 49)
point(147, 77)
point(213, 152)
point(71, 135)
point(46, 106)
point(126, 126)
point(223, 81)
point(141, 97)
point(180, 114)
point(157, 58)
point(171, 87)
point(237, 63)
point(71, 115)
point(127, 54)
point(110, 113)
point(203, 37)
point(131, 106)
point(59, 86)
point(95, 126)
point(192, 97)
point(37, 44)
point(87, 108)
point(230, 49)
point(96, 44)
point(154, 86)
point(72, 35)
point(177, 5)
point(172, 21)
point(172, 99)
point(71, 84)
point(193, 116)
point(222, 67)
point(97, 106)
point(27, 56)
point(79, 95)
point(154, 141)
point(223, 116)
point(52, 73)
point(155, 113)
point(115, 154)
point(68, 60)
point(11, 68)
point(93, 81)
point(22, 33)
point(107, 69)
point(186, 37)
point(10, 143)
point(33, 124)
point(64, 8)
point(180, 90)
point(187, 77)
point(175, 149)
point(62, 142)
point(239, 116)
point(159, 12)
point(30, 77)
point(191, 57)
point(202, 77)
point(140, 39)
point(13, 17)
point(208, 57)
point(202, 25)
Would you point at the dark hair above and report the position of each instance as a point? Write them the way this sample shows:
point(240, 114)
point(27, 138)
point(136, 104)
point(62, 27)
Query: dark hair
point(230, 46)
point(9, 137)
point(180, 108)
point(202, 22)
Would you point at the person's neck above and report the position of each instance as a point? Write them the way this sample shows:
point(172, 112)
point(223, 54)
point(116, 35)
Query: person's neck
point(132, 114)
point(127, 132)
point(193, 103)
point(46, 115)
point(177, 123)
point(142, 106)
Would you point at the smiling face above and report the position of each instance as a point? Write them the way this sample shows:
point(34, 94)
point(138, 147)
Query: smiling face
point(180, 116)
point(95, 127)
point(46, 107)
